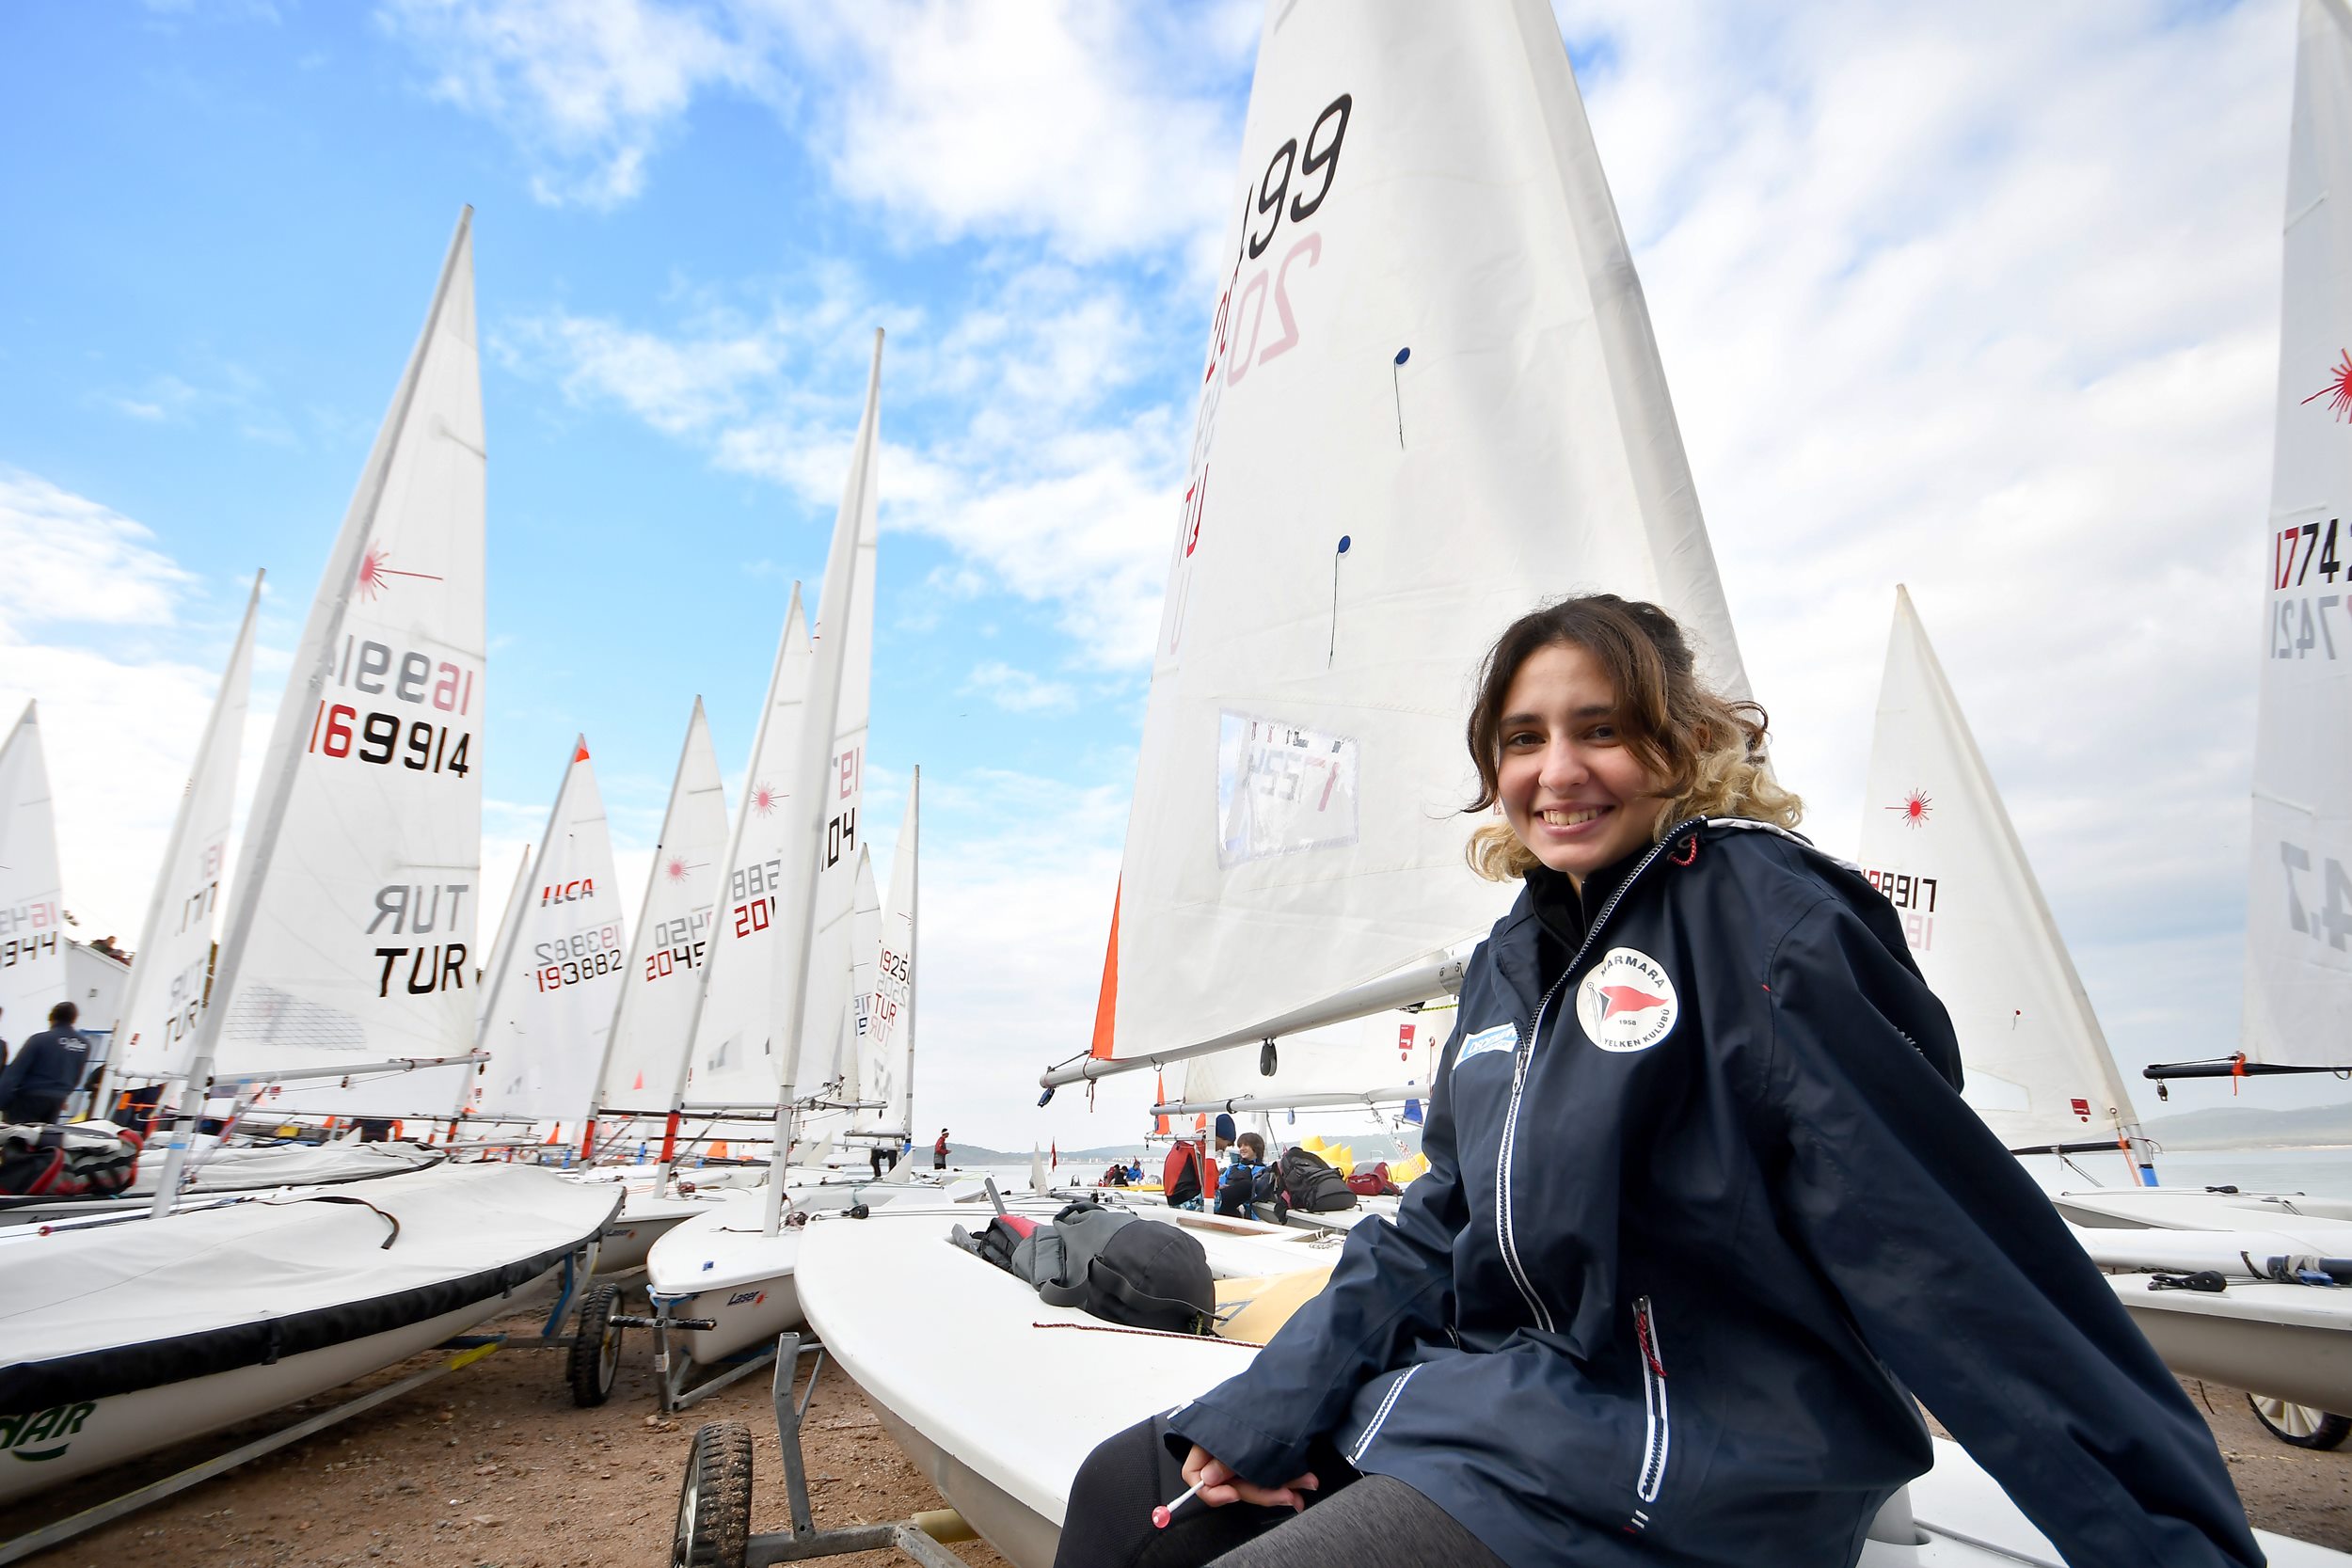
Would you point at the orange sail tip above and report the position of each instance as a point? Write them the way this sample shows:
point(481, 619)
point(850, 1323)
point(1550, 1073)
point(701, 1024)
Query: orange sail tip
point(1107, 1005)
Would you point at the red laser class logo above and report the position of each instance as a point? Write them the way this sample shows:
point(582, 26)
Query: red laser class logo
point(2339, 389)
point(763, 800)
point(1915, 808)
point(677, 870)
point(375, 575)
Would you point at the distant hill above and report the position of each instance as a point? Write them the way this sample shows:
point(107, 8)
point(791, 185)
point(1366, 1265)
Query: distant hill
point(2247, 1127)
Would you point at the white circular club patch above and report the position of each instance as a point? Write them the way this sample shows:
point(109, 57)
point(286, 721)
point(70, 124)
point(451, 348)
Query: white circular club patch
point(1625, 1002)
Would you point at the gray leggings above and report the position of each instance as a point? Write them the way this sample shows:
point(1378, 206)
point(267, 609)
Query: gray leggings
point(1363, 1521)
point(1377, 1522)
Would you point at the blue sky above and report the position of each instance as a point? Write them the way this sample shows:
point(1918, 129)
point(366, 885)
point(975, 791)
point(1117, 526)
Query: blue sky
point(1987, 304)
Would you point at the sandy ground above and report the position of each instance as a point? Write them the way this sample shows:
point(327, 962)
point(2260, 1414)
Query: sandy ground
point(494, 1466)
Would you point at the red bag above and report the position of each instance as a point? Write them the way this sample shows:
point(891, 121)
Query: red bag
point(1371, 1183)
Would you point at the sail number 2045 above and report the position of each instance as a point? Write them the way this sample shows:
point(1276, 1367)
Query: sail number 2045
point(337, 730)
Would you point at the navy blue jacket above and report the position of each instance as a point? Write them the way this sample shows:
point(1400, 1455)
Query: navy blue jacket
point(51, 1063)
point(1701, 1189)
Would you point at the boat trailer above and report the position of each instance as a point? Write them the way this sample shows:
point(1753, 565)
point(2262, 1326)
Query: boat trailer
point(714, 1506)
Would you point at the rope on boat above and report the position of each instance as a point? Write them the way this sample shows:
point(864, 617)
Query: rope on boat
point(1156, 1333)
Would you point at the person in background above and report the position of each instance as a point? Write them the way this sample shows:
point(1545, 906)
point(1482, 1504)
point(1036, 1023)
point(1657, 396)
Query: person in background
point(1222, 1131)
point(1135, 1172)
point(1239, 1184)
point(47, 1070)
point(939, 1151)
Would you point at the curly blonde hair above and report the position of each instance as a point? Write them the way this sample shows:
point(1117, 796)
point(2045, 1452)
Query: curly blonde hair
point(1708, 750)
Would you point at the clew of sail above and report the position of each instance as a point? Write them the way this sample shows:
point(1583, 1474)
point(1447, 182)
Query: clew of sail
point(1430, 399)
point(1938, 843)
point(2299, 920)
point(32, 893)
point(350, 938)
point(553, 991)
point(164, 997)
point(646, 1048)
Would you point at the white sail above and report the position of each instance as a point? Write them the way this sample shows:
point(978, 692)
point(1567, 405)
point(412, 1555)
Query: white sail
point(32, 895)
point(1938, 843)
point(1384, 1060)
point(779, 965)
point(647, 1047)
point(734, 1030)
point(163, 996)
point(350, 938)
point(832, 1064)
point(505, 940)
point(886, 1042)
point(2298, 906)
point(836, 949)
point(552, 996)
point(1431, 401)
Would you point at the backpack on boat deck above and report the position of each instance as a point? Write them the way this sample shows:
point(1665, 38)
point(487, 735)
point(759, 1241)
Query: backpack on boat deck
point(86, 1159)
point(1311, 1186)
point(1107, 1262)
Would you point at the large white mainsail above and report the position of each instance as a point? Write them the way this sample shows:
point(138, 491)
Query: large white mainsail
point(645, 1053)
point(1937, 842)
point(1430, 399)
point(777, 972)
point(2298, 906)
point(164, 996)
point(349, 939)
point(32, 893)
point(553, 995)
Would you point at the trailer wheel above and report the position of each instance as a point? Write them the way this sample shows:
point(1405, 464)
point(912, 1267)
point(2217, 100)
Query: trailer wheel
point(2302, 1425)
point(714, 1507)
point(595, 1363)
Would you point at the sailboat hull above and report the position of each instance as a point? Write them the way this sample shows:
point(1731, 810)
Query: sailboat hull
point(2288, 1341)
point(124, 1339)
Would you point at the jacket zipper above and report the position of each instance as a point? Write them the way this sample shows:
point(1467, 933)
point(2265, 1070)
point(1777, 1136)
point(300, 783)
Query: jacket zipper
point(1504, 1236)
point(1660, 1432)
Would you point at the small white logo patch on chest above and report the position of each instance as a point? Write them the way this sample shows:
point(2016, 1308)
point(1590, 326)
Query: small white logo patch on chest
point(1502, 1036)
point(1625, 1002)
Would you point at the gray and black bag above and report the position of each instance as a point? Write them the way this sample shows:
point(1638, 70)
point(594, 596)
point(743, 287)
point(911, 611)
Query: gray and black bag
point(1107, 1262)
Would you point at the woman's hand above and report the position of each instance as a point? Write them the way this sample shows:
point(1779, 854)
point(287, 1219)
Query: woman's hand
point(1218, 1484)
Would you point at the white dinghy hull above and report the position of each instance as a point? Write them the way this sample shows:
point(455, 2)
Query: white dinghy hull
point(1000, 1412)
point(2288, 1341)
point(124, 1339)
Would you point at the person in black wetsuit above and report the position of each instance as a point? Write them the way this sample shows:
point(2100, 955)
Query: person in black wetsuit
point(1704, 1211)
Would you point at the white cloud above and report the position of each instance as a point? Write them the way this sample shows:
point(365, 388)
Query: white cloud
point(1984, 303)
point(1028, 467)
point(93, 627)
point(588, 88)
point(1019, 692)
point(956, 116)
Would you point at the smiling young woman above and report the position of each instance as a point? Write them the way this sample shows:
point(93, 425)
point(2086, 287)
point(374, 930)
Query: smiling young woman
point(1704, 1213)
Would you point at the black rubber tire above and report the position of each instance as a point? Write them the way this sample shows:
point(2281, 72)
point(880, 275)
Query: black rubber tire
point(595, 1363)
point(714, 1506)
point(2300, 1426)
